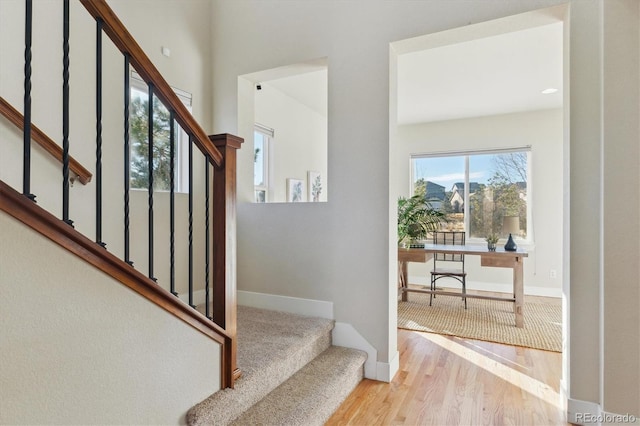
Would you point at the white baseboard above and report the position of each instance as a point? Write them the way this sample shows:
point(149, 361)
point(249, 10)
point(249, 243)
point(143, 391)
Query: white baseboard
point(343, 334)
point(579, 411)
point(589, 413)
point(498, 288)
point(386, 370)
point(294, 305)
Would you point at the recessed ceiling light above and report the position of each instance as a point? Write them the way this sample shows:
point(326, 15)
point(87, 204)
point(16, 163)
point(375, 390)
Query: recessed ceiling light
point(549, 91)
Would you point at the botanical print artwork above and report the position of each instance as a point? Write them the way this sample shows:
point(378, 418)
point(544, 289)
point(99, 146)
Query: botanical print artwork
point(295, 190)
point(315, 186)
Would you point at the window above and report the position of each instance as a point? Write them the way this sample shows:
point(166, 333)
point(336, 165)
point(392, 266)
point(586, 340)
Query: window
point(481, 192)
point(261, 139)
point(138, 125)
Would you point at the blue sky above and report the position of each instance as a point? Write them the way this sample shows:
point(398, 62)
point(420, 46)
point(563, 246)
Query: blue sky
point(448, 170)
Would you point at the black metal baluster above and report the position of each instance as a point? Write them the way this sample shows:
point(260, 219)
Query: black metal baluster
point(191, 221)
point(127, 160)
point(207, 235)
point(99, 132)
point(26, 157)
point(65, 114)
point(150, 161)
point(172, 210)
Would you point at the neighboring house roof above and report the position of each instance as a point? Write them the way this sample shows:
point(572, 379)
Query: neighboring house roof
point(458, 188)
point(434, 191)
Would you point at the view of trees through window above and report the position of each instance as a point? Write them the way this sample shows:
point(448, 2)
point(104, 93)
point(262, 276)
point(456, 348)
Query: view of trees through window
point(481, 193)
point(139, 133)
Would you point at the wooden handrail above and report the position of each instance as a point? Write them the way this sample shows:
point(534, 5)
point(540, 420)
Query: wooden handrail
point(124, 41)
point(15, 117)
point(34, 216)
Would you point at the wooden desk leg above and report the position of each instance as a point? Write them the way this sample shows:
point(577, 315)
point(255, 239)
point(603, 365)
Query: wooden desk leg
point(404, 275)
point(518, 290)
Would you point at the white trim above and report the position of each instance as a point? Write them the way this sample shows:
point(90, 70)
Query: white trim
point(343, 334)
point(498, 288)
point(578, 410)
point(589, 413)
point(564, 394)
point(601, 192)
point(582, 412)
point(294, 305)
point(386, 370)
point(459, 153)
point(264, 129)
point(138, 82)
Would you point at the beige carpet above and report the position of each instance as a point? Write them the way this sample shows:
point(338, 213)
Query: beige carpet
point(484, 320)
point(291, 374)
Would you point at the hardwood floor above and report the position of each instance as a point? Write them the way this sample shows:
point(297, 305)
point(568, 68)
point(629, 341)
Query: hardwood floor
point(451, 381)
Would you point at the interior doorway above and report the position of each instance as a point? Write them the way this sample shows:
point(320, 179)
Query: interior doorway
point(481, 88)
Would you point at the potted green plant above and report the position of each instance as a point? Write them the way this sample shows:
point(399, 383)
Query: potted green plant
point(416, 218)
point(492, 240)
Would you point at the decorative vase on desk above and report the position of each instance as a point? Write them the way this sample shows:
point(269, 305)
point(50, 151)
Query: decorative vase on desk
point(492, 239)
point(510, 245)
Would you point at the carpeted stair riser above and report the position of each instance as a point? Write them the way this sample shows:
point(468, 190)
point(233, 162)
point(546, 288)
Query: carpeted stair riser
point(272, 346)
point(311, 395)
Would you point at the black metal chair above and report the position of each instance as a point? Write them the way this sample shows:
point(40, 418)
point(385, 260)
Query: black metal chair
point(447, 265)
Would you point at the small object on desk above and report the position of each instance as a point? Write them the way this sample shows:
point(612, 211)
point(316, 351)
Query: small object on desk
point(492, 240)
point(510, 245)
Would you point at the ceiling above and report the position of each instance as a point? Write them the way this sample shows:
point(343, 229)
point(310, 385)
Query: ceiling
point(499, 74)
point(306, 82)
point(309, 88)
point(499, 71)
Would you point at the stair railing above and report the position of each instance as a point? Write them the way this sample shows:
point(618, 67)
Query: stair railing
point(219, 320)
point(17, 119)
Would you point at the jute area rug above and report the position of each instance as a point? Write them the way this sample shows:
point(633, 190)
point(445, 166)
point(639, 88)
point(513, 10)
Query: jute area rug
point(489, 320)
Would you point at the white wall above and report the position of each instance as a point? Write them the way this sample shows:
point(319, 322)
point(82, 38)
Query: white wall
point(604, 239)
point(300, 142)
point(621, 226)
point(181, 26)
point(337, 251)
point(543, 131)
point(55, 370)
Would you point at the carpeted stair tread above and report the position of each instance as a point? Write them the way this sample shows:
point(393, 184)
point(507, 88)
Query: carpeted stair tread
point(311, 395)
point(272, 346)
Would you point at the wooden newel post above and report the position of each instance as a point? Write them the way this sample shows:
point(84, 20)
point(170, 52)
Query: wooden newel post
point(224, 249)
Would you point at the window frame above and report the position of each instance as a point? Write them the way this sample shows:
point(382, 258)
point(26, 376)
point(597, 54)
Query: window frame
point(181, 152)
point(267, 137)
point(529, 239)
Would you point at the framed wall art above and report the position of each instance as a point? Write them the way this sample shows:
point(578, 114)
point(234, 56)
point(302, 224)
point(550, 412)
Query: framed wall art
point(295, 190)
